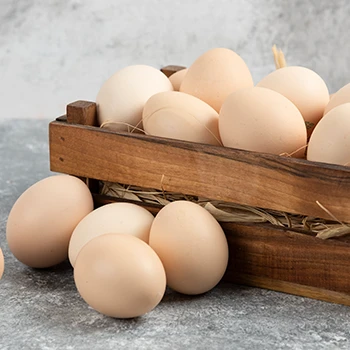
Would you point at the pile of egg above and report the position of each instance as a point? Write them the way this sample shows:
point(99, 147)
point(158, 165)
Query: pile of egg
point(215, 101)
point(123, 257)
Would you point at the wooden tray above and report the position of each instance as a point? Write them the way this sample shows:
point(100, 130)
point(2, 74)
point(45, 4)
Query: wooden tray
point(261, 255)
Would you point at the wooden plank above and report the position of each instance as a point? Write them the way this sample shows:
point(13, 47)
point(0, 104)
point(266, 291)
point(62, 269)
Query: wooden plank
point(250, 178)
point(281, 259)
point(82, 112)
point(293, 288)
point(169, 70)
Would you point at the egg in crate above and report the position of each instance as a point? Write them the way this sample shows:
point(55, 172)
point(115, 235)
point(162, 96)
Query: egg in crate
point(119, 276)
point(122, 97)
point(302, 86)
point(126, 218)
point(330, 141)
point(181, 116)
point(262, 120)
point(177, 78)
point(340, 97)
point(214, 75)
point(43, 218)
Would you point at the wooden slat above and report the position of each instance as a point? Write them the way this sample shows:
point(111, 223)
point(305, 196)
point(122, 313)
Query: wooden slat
point(244, 177)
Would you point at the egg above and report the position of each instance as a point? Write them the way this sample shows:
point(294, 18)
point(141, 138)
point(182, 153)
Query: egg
point(302, 86)
point(177, 78)
point(191, 245)
point(262, 120)
point(340, 97)
point(126, 218)
point(2, 263)
point(216, 74)
point(330, 141)
point(120, 276)
point(122, 97)
point(181, 116)
point(43, 218)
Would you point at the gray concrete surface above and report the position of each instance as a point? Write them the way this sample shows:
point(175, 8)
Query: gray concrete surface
point(41, 309)
point(53, 52)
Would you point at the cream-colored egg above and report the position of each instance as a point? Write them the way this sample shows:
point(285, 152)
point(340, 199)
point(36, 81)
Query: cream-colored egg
point(330, 141)
point(302, 86)
point(191, 245)
point(126, 218)
point(43, 218)
point(216, 74)
point(340, 97)
point(122, 97)
point(177, 78)
point(181, 116)
point(2, 263)
point(120, 276)
point(262, 120)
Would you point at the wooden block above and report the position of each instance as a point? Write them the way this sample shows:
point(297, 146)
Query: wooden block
point(231, 175)
point(82, 112)
point(169, 70)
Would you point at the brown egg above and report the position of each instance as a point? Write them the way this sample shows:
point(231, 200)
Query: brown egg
point(340, 97)
point(43, 218)
point(302, 86)
point(177, 78)
point(191, 245)
point(2, 263)
point(181, 116)
point(216, 74)
point(119, 276)
point(122, 97)
point(330, 141)
point(262, 120)
point(124, 218)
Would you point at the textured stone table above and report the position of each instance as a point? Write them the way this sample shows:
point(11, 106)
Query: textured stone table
point(42, 309)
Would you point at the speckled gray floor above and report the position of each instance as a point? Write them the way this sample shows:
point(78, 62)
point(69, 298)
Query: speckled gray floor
point(42, 310)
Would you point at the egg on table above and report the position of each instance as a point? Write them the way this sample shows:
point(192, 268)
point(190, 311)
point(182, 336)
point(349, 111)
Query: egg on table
point(120, 276)
point(43, 218)
point(191, 245)
point(126, 218)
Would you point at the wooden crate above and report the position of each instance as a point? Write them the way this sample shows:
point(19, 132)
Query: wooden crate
point(261, 255)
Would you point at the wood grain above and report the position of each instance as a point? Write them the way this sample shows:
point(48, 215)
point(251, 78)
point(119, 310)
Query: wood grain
point(281, 259)
point(169, 70)
point(256, 179)
point(82, 112)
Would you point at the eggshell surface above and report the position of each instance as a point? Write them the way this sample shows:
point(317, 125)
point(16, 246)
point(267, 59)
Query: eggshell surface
point(216, 74)
point(181, 116)
point(122, 97)
point(120, 276)
point(302, 86)
point(126, 218)
point(177, 78)
point(2, 263)
point(340, 97)
point(330, 141)
point(191, 245)
point(262, 120)
point(43, 218)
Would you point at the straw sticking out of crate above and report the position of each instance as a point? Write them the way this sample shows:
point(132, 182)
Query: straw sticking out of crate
point(231, 212)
